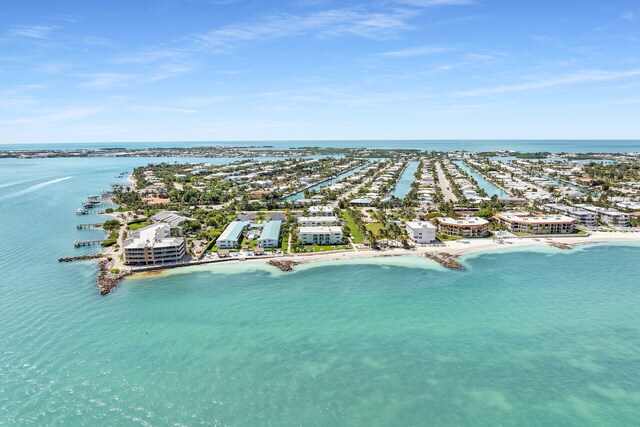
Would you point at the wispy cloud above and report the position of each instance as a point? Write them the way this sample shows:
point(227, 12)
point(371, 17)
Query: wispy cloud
point(566, 80)
point(31, 31)
point(416, 51)
point(334, 22)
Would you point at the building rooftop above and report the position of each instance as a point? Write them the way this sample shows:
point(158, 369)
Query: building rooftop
point(419, 224)
point(233, 230)
point(271, 231)
point(472, 221)
point(541, 219)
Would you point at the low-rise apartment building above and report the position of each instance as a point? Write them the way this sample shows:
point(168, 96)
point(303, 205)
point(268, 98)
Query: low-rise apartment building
point(152, 245)
point(270, 236)
point(463, 227)
point(317, 221)
point(320, 235)
point(321, 211)
point(421, 232)
point(539, 224)
point(232, 235)
point(611, 217)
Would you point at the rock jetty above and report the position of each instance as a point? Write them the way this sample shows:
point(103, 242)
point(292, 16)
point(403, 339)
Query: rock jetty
point(80, 258)
point(107, 280)
point(561, 245)
point(445, 259)
point(282, 264)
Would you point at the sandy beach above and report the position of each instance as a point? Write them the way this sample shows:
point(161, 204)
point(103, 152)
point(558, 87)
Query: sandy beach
point(456, 248)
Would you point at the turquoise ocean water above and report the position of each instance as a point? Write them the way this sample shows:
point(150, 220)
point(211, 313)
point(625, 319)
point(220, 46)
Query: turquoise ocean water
point(538, 338)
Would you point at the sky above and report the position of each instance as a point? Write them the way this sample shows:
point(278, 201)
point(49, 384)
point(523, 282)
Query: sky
point(242, 70)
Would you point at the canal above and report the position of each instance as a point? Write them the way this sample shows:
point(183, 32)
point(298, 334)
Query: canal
point(404, 183)
point(483, 183)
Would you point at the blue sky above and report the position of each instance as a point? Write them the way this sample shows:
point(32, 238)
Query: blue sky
point(206, 70)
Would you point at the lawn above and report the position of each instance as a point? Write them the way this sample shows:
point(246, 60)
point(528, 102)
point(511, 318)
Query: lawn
point(375, 227)
point(445, 238)
point(355, 232)
point(137, 225)
point(284, 242)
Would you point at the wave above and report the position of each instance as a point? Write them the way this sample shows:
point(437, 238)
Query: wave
point(35, 187)
point(11, 184)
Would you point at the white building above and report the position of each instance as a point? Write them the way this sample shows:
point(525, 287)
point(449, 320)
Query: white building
point(232, 235)
point(421, 232)
point(611, 217)
point(317, 221)
point(321, 211)
point(321, 235)
point(153, 244)
point(583, 216)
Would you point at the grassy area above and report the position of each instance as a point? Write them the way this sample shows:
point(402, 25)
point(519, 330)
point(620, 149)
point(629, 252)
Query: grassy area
point(109, 242)
point(284, 242)
point(375, 227)
point(137, 225)
point(357, 235)
point(445, 238)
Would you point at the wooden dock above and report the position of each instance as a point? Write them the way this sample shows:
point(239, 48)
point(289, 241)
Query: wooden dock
point(81, 226)
point(79, 243)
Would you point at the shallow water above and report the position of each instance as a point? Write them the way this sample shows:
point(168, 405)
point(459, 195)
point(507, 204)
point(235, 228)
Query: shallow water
point(542, 337)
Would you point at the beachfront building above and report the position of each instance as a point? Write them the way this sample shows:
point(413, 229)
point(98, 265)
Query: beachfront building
point(611, 217)
point(421, 232)
point(320, 235)
point(232, 235)
point(463, 227)
point(270, 236)
point(152, 245)
point(583, 216)
point(317, 221)
point(321, 210)
point(538, 224)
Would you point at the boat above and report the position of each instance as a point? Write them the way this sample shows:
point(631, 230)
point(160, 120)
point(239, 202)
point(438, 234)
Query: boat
point(81, 211)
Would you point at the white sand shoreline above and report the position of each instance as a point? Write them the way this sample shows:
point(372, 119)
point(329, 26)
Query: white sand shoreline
point(457, 248)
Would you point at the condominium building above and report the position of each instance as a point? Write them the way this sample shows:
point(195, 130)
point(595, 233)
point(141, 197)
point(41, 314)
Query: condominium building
point(270, 236)
point(421, 232)
point(317, 221)
point(232, 235)
point(539, 224)
point(153, 244)
point(320, 235)
point(463, 227)
point(611, 217)
point(583, 216)
point(321, 211)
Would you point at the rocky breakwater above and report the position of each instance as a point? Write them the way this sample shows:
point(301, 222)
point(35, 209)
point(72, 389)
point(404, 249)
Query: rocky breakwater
point(107, 278)
point(445, 259)
point(81, 258)
point(282, 264)
point(561, 245)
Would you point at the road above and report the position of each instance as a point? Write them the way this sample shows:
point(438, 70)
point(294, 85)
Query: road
point(445, 185)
